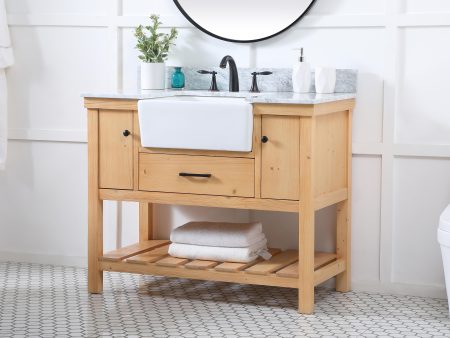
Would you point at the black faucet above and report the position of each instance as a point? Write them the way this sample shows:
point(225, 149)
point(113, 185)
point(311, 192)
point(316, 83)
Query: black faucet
point(234, 77)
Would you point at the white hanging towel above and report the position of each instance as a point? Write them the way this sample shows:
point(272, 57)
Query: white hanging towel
point(6, 60)
point(237, 235)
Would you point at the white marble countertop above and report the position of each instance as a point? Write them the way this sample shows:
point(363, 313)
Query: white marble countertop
point(267, 97)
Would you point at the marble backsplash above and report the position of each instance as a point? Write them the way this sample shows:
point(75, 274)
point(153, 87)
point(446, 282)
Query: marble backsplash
point(279, 81)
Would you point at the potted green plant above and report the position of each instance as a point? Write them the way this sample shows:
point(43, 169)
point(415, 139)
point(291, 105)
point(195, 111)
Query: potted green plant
point(154, 47)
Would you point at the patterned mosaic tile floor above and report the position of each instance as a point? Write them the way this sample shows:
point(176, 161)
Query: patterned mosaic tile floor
point(47, 301)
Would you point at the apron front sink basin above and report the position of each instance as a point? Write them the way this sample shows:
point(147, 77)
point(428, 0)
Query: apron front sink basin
point(195, 122)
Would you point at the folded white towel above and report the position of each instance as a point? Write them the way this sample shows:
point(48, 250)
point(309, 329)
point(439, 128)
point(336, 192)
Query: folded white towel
point(220, 254)
point(230, 235)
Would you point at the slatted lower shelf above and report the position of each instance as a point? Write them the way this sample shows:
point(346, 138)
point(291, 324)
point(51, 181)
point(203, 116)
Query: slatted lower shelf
point(151, 257)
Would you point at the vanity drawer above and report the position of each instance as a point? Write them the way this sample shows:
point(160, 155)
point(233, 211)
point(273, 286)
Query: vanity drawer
point(197, 174)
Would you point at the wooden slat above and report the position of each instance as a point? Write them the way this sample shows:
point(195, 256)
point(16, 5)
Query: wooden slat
point(236, 267)
point(172, 262)
point(201, 200)
point(201, 265)
point(323, 258)
point(274, 264)
point(150, 256)
point(291, 271)
point(329, 271)
point(320, 259)
point(211, 274)
point(132, 250)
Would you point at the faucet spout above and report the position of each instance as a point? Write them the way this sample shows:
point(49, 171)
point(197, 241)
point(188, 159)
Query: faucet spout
point(234, 77)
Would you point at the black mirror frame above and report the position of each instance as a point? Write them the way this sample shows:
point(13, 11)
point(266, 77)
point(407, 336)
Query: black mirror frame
point(180, 8)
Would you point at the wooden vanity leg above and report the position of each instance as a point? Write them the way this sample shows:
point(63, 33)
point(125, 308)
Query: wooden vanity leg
point(306, 261)
point(306, 218)
point(145, 221)
point(95, 208)
point(343, 239)
point(344, 213)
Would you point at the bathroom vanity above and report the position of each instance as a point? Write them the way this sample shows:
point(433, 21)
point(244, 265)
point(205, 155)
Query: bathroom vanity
point(300, 161)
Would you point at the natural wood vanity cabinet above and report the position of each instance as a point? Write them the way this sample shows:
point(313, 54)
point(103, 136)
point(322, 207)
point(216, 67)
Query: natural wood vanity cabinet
point(300, 162)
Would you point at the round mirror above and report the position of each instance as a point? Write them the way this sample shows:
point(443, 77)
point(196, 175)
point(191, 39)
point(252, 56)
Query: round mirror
point(243, 20)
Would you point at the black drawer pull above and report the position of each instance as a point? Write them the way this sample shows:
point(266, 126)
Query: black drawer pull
point(126, 133)
point(264, 139)
point(194, 175)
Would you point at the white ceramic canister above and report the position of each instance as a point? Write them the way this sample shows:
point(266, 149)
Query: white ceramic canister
point(325, 80)
point(153, 75)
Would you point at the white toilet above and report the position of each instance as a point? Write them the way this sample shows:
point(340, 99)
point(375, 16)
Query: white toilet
point(444, 241)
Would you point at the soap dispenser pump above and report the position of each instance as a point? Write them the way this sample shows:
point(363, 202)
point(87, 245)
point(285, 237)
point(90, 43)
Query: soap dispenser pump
point(301, 75)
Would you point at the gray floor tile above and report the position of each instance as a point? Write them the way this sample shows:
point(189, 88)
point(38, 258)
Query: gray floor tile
point(48, 301)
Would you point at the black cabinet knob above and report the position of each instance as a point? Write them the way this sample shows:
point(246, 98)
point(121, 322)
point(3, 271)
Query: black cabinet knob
point(126, 133)
point(264, 139)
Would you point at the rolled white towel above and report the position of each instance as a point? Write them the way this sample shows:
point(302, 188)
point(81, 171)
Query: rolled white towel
point(220, 254)
point(229, 235)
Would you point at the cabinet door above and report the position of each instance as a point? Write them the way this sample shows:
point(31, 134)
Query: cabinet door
point(280, 157)
point(116, 149)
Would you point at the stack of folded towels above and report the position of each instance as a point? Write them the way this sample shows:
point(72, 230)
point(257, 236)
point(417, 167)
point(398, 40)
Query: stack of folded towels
point(223, 242)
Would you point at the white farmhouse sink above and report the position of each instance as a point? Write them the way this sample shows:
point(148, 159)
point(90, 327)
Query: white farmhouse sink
point(194, 122)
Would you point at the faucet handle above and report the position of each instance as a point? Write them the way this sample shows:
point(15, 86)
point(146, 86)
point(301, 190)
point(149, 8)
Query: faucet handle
point(202, 71)
point(262, 73)
point(254, 88)
point(213, 86)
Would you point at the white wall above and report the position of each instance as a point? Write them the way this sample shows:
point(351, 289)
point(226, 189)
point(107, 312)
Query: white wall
point(401, 127)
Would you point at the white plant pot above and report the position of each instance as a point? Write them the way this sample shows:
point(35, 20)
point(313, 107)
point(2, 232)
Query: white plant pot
point(153, 75)
point(325, 79)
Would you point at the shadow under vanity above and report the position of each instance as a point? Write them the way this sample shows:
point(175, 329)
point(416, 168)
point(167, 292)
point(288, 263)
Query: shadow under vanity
point(300, 161)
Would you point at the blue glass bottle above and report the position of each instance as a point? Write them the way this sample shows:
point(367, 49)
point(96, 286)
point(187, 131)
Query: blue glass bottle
point(178, 78)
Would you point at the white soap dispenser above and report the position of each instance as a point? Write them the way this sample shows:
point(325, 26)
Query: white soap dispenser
point(301, 75)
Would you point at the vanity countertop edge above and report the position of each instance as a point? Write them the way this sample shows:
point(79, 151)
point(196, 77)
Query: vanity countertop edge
point(262, 98)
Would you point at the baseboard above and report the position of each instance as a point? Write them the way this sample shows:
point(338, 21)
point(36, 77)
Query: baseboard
point(433, 291)
point(21, 257)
